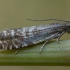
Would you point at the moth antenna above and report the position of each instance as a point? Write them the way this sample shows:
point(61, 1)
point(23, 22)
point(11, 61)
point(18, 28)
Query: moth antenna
point(50, 19)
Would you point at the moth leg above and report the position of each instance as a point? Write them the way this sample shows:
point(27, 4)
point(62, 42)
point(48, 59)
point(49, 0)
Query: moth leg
point(43, 46)
point(45, 43)
point(59, 37)
point(16, 52)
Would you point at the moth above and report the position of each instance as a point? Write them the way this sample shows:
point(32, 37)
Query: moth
point(23, 37)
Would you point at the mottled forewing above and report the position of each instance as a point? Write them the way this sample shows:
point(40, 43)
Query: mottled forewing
point(31, 35)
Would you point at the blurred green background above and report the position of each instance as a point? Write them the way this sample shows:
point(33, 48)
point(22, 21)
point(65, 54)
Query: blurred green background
point(13, 14)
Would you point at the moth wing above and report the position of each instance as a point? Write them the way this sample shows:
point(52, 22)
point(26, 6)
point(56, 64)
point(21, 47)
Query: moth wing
point(22, 42)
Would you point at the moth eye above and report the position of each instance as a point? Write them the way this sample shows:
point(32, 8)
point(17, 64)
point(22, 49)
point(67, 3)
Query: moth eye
point(68, 30)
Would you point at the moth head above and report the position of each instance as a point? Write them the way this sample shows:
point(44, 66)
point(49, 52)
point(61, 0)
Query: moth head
point(68, 30)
